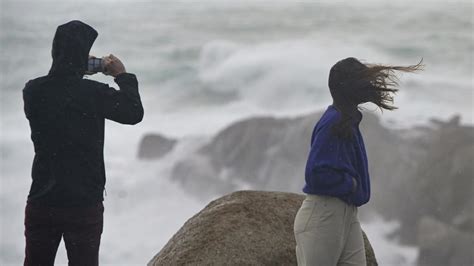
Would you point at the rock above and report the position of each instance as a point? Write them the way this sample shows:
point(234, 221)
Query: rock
point(155, 146)
point(441, 185)
point(259, 153)
point(456, 245)
point(242, 228)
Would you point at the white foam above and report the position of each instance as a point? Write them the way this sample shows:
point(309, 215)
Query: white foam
point(388, 251)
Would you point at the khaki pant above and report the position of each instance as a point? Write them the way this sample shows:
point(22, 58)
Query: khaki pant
point(328, 232)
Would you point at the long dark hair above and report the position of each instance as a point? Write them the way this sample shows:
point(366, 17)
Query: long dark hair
point(352, 83)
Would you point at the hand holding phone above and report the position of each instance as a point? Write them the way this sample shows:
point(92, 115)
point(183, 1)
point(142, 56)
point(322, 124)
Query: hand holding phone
point(113, 66)
point(94, 65)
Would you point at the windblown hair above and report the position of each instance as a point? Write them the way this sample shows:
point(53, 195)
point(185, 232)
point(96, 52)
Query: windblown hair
point(352, 83)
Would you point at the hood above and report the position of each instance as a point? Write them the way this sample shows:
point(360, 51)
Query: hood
point(71, 45)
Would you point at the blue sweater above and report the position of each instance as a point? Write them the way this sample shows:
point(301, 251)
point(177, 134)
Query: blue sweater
point(332, 162)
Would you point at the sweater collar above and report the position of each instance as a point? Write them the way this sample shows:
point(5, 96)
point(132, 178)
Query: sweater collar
point(358, 116)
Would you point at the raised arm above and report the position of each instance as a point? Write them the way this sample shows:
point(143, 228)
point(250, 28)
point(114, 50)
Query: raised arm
point(124, 105)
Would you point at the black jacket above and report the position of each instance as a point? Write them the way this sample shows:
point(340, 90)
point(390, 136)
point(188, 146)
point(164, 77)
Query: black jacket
point(66, 115)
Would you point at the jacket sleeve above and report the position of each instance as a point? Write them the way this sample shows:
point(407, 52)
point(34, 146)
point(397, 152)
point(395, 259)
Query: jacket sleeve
point(27, 101)
point(328, 169)
point(123, 106)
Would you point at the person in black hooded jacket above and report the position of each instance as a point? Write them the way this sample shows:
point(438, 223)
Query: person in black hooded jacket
point(66, 114)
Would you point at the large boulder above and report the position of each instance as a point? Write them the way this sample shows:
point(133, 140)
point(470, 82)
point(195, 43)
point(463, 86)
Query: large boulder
point(242, 228)
point(155, 146)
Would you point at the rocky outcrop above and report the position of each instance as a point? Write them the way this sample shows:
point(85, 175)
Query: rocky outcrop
point(258, 153)
point(456, 245)
point(242, 228)
point(441, 185)
point(155, 146)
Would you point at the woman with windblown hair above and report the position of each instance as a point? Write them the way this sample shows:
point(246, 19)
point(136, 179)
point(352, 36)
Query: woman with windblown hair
point(326, 227)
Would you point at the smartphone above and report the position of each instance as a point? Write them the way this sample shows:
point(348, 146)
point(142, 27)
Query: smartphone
point(95, 65)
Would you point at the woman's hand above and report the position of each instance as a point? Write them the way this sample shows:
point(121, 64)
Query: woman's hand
point(354, 184)
point(113, 66)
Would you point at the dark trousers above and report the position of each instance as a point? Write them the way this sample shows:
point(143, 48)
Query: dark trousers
point(81, 228)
